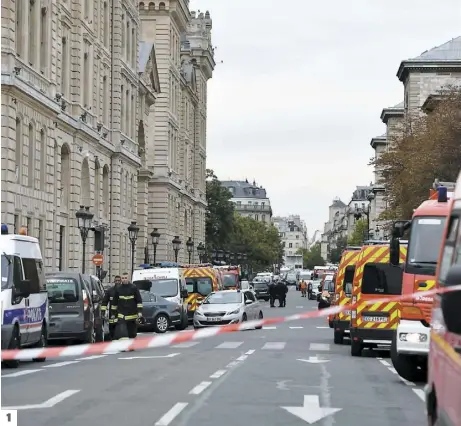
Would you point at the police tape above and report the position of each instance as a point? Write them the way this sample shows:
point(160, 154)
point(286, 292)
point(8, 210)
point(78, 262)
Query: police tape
point(162, 340)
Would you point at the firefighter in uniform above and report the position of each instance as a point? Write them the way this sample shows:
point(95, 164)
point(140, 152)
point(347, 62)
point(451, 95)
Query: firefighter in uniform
point(127, 306)
point(107, 303)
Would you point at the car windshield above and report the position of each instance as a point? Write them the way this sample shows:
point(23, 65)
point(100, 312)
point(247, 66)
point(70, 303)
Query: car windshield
point(164, 287)
point(62, 290)
point(425, 239)
point(5, 271)
point(223, 298)
point(230, 280)
point(200, 285)
point(260, 285)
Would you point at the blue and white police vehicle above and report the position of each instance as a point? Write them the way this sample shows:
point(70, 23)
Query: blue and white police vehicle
point(24, 300)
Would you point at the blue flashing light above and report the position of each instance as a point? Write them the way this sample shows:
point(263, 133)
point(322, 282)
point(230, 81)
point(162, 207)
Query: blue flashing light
point(4, 229)
point(442, 196)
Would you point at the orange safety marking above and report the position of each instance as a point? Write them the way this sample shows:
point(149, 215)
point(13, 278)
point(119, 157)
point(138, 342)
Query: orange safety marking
point(430, 285)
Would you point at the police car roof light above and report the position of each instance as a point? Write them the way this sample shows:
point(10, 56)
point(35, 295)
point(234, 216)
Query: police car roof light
point(4, 229)
point(442, 194)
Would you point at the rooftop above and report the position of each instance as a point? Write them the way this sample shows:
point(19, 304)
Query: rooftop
point(244, 189)
point(393, 111)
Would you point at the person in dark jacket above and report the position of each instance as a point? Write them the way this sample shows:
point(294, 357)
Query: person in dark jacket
point(272, 294)
point(309, 290)
point(127, 306)
point(107, 303)
point(282, 290)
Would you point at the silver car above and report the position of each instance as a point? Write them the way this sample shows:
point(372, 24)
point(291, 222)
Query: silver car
point(315, 289)
point(228, 307)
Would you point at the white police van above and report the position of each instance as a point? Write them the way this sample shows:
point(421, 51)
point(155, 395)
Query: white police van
point(24, 300)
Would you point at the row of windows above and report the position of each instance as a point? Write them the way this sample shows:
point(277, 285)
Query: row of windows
point(128, 110)
point(97, 14)
point(175, 47)
point(128, 194)
point(129, 40)
point(256, 217)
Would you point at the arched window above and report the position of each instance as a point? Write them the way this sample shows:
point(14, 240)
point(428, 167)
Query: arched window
point(151, 6)
point(31, 156)
point(65, 176)
point(161, 5)
point(105, 190)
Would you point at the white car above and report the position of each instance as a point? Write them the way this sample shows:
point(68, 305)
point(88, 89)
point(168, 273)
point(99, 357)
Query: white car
point(228, 307)
point(315, 289)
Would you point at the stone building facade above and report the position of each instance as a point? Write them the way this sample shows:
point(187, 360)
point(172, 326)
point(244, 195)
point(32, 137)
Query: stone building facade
point(176, 143)
point(72, 104)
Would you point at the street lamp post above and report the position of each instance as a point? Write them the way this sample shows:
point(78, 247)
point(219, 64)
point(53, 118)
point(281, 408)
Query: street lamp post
point(201, 252)
point(133, 230)
point(176, 247)
point(359, 213)
point(84, 217)
point(190, 248)
point(155, 240)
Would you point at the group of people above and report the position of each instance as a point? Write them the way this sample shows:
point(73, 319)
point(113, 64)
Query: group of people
point(122, 304)
point(306, 289)
point(278, 291)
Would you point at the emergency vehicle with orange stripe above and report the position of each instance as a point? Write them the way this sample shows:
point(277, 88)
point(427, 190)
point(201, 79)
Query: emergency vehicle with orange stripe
point(410, 344)
point(201, 280)
point(230, 276)
point(443, 389)
point(374, 278)
point(343, 292)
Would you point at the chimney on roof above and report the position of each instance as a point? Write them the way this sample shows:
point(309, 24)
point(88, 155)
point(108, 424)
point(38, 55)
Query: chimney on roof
point(254, 182)
point(246, 180)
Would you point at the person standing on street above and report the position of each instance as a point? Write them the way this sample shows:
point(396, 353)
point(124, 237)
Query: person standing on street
point(272, 294)
point(107, 303)
point(127, 307)
point(309, 290)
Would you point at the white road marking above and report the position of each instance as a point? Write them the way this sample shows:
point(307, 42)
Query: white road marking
point(61, 364)
point(299, 307)
point(319, 347)
point(322, 327)
point(274, 345)
point(392, 370)
point(20, 373)
point(218, 374)
point(91, 357)
point(47, 404)
point(420, 394)
point(407, 382)
point(199, 388)
point(186, 344)
point(269, 328)
point(232, 364)
point(382, 361)
point(242, 358)
point(250, 352)
point(229, 345)
point(152, 356)
point(295, 328)
point(170, 415)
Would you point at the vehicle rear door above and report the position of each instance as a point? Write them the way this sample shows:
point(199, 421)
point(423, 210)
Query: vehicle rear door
point(19, 305)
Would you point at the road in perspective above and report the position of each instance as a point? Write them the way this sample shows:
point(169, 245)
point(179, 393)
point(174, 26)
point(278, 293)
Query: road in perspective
point(289, 373)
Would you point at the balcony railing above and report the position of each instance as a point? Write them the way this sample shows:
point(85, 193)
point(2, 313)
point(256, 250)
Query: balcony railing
point(253, 208)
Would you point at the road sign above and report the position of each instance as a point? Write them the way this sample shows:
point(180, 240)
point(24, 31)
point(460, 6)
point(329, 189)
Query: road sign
point(98, 259)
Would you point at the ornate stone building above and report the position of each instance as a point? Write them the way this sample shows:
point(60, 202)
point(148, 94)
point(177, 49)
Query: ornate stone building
point(74, 114)
point(176, 141)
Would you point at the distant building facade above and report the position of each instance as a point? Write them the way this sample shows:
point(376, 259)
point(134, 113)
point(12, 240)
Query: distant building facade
point(293, 233)
point(250, 200)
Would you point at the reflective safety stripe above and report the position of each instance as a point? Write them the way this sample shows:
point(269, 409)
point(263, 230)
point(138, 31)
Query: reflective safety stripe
point(112, 321)
point(114, 308)
point(128, 317)
point(126, 297)
point(103, 308)
point(139, 305)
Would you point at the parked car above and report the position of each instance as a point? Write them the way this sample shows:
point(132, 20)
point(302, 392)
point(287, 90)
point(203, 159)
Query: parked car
point(228, 307)
point(316, 290)
point(160, 314)
point(261, 289)
point(72, 308)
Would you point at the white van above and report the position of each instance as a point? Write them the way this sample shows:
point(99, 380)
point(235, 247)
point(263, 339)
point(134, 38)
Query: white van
point(168, 283)
point(24, 299)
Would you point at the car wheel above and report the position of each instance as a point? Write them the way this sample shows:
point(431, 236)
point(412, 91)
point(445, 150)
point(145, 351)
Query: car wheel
point(161, 323)
point(15, 343)
point(99, 334)
point(91, 337)
point(244, 318)
point(42, 343)
point(184, 323)
point(260, 317)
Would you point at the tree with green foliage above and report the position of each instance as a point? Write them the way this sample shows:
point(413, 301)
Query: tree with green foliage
point(336, 253)
point(219, 214)
point(312, 257)
point(360, 233)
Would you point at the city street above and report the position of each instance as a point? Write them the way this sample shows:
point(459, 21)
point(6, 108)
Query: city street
point(258, 377)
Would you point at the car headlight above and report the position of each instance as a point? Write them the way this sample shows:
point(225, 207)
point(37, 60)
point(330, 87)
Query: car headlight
point(237, 311)
point(199, 311)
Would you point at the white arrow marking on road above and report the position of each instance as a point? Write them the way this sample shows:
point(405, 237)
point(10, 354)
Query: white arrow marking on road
point(47, 404)
point(314, 360)
point(152, 357)
point(311, 411)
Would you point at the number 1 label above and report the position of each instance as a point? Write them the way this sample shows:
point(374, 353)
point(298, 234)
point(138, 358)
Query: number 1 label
point(9, 418)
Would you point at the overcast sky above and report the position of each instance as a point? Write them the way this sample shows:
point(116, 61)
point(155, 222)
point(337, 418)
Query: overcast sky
point(300, 91)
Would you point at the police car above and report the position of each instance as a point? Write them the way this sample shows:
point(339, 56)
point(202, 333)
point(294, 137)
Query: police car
point(24, 300)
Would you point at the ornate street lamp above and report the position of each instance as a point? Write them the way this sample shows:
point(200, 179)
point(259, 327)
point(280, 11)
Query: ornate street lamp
point(201, 252)
point(176, 247)
point(190, 248)
point(133, 230)
point(84, 217)
point(155, 240)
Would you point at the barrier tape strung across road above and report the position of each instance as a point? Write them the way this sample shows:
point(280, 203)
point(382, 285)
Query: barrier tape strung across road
point(157, 341)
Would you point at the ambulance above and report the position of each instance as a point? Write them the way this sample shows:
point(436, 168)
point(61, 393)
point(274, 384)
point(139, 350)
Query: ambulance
point(167, 282)
point(24, 300)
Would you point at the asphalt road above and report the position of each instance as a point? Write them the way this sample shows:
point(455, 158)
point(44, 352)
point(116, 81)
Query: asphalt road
point(239, 378)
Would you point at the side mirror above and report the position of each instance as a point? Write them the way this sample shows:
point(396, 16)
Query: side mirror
point(184, 293)
point(450, 302)
point(248, 302)
point(23, 288)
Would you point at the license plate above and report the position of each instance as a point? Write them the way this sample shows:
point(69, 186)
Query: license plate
point(214, 319)
point(375, 319)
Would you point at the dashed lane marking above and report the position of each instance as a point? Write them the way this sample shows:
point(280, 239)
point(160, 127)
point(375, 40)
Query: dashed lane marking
point(251, 351)
point(420, 394)
point(20, 373)
point(218, 374)
point(172, 414)
point(186, 344)
point(319, 347)
point(199, 388)
point(295, 328)
point(229, 345)
point(87, 358)
point(60, 364)
point(269, 328)
point(242, 358)
point(322, 327)
point(384, 362)
point(274, 345)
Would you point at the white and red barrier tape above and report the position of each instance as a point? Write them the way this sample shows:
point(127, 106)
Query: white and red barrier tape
point(160, 340)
